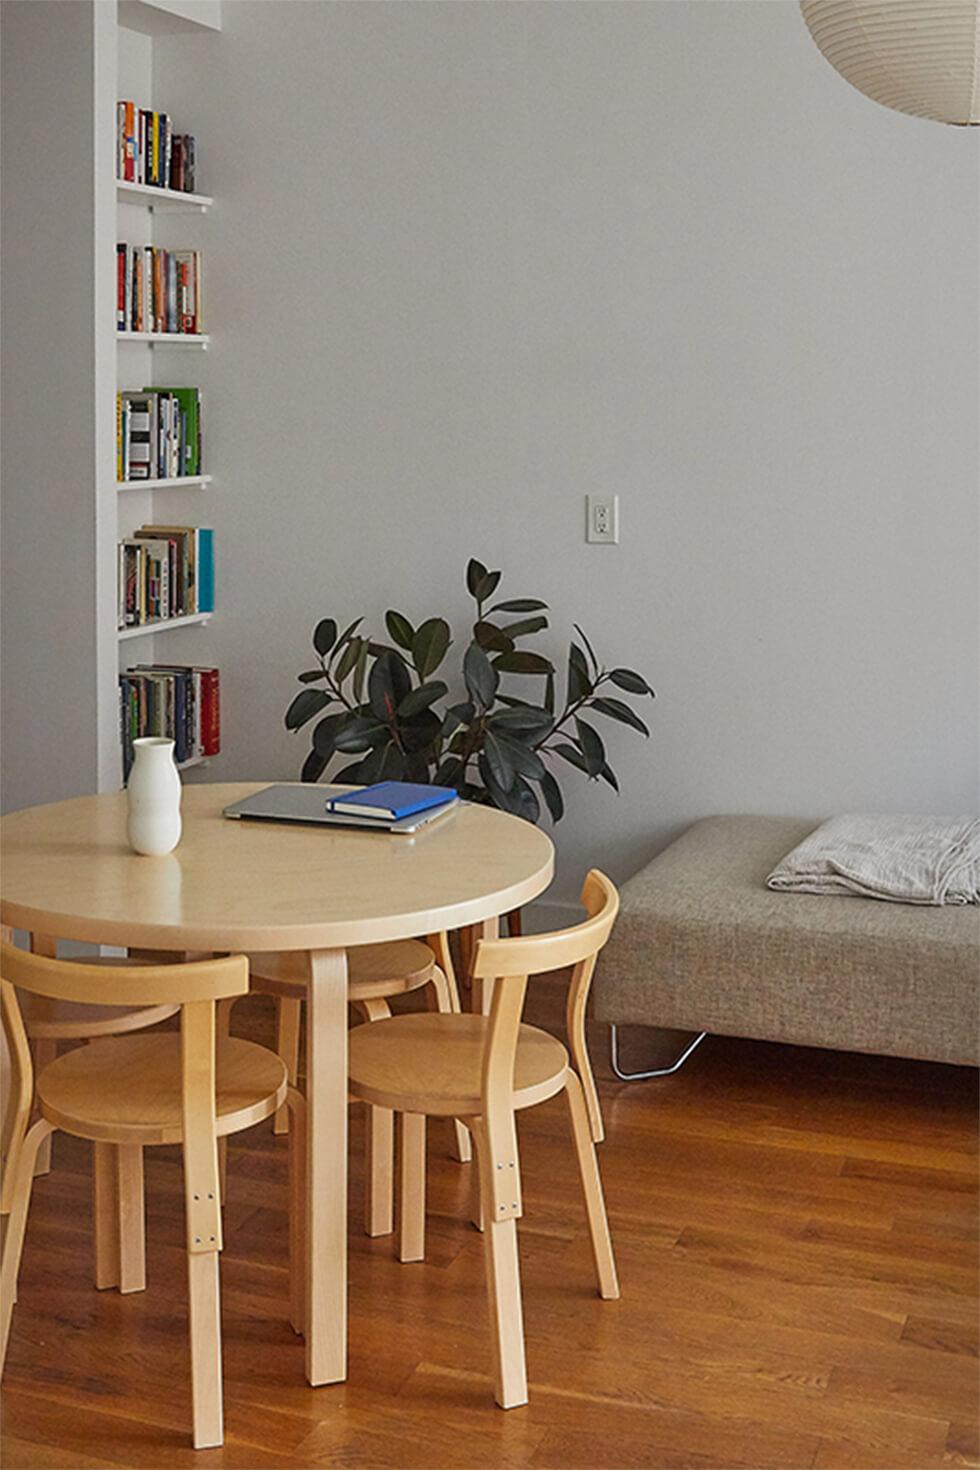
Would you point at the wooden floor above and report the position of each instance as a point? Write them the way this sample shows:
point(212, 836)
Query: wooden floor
point(797, 1242)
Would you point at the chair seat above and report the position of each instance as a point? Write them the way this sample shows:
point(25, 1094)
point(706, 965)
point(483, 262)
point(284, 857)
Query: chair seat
point(127, 1089)
point(431, 1063)
point(374, 971)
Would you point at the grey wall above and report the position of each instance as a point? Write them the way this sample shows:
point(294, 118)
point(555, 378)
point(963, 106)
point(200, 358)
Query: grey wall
point(48, 576)
point(471, 261)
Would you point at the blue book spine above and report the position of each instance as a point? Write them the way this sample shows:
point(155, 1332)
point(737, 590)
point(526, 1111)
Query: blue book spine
point(205, 570)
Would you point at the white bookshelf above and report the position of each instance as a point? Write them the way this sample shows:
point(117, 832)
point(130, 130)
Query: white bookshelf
point(182, 482)
point(143, 214)
point(164, 625)
point(151, 197)
point(165, 339)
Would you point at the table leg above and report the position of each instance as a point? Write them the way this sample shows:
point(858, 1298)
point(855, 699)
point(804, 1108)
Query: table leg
point(482, 991)
point(326, 1179)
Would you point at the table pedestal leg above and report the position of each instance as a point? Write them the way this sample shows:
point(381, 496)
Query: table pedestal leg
point(326, 1179)
point(482, 990)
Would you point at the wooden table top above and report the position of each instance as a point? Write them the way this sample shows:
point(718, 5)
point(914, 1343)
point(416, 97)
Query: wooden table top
point(69, 872)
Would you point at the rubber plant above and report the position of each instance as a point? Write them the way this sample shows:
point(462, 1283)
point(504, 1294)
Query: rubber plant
point(380, 707)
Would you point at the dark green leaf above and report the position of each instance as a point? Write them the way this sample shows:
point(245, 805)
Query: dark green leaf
point(388, 684)
point(384, 763)
point(607, 774)
point(349, 775)
point(498, 759)
point(591, 650)
point(549, 693)
point(529, 717)
point(324, 636)
point(456, 715)
point(307, 703)
point(313, 767)
point(530, 806)
point(490, 637)
point(552, 795)
point(519, 604)
point(480, 676)
point(360, 732)
point(420, 731)
point(419, 699)
point(475, 573)
point(429, 646)
point(592, 747)
point(360, 667)
point(508, 799)
point(579, 683)
point(572, 754)
point(525, 762)
point(311, 676)
point(522, 662)
point(487, 586)
point(326, 729)
point(400, 629)
point(346, 635)
point(448, 772)
point(526, 626)
point(632, 683)
point(347, 659)
point(616, 709)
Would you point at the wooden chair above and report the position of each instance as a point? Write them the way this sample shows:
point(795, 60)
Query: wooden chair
point(377, 973)
point(483, 1070)
point(128, 1092)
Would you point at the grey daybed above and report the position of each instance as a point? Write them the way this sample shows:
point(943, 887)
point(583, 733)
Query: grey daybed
point(703, 945)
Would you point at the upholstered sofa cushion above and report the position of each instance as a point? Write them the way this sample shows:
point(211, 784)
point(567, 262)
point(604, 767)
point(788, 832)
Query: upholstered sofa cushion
point(702, 944)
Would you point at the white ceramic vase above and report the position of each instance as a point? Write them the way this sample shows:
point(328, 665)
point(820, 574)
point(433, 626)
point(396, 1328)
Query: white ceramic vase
point(153, 791)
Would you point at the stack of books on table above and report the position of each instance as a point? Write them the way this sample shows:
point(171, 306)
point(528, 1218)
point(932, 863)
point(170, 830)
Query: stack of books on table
point(165, 572)
point(149, 151)
point(177, 701)
point(158, 434)
point(157, 290)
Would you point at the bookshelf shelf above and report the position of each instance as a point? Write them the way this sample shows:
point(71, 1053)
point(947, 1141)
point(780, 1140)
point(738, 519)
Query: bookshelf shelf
point(164, 625)
point(168, 339)
point(150, 197)
point(182, 482)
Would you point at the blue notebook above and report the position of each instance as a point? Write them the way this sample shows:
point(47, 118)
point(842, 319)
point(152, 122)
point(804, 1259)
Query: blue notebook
point(390, 800)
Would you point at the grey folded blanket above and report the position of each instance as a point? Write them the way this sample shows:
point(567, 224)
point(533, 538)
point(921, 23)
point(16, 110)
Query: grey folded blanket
point(906, 859)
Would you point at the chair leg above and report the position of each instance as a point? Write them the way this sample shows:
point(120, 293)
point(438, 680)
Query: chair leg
point(379, 1150)
point(595, 1207)
point(205, 1333)
point(297, 1211)
point(583, 1066)
point(45, 1051)
point(131, 1217)
point(447, 1003)
point(504, 1296)
point(13, 1243)
point(105, 1215)
point(289, 1014)
point(411, 1186)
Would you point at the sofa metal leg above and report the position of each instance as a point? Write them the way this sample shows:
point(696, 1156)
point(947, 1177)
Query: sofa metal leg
point(658, 1071)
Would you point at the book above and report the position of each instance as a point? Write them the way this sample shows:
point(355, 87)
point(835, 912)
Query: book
point(158, 434)
point(149, 149)
point(158, 290)
point(177, 701)
point(391, 800)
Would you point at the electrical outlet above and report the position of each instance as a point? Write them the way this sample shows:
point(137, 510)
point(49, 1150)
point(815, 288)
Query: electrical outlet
point(602, 519)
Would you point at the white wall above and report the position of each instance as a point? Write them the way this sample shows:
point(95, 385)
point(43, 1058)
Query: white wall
point(471, 261)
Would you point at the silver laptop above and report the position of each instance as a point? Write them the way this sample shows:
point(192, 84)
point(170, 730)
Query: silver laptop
point(308, 804)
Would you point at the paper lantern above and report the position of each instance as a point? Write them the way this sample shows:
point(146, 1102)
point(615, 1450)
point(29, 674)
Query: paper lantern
point(918, 56)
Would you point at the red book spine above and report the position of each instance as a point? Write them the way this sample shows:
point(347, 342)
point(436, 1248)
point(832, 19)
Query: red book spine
point(210, 712)
point(130, 159)
point(120, 286)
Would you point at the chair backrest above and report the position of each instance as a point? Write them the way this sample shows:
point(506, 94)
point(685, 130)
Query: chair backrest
point(194, 986)
point(509, 962)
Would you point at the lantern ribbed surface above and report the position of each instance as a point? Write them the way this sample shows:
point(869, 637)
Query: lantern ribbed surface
point(918, 56)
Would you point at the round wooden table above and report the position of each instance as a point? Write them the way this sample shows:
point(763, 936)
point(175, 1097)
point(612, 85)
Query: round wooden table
point(238, 886)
